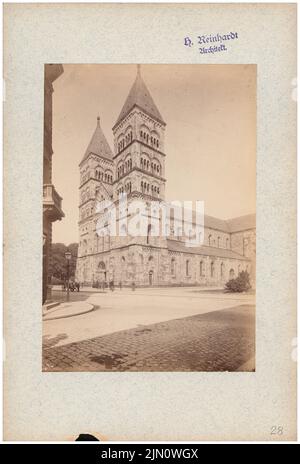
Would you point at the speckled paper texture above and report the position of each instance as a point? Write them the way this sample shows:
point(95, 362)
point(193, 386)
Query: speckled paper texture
point(149, 406)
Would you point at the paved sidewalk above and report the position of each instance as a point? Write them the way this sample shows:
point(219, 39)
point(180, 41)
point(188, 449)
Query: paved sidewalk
point(124, 310)
point(71, 309)
point(222, 340)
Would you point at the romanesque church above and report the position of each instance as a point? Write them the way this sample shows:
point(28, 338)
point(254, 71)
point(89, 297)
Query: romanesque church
point(136, 167)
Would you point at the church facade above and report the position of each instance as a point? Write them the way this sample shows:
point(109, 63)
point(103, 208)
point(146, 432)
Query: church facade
point(136, 168)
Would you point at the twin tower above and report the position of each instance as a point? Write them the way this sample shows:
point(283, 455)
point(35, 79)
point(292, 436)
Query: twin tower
point(136, 167)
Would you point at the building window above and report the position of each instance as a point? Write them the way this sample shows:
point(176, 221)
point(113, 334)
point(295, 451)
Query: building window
point(123, 230)
point(187, 268)
point(227, 242)
point(173, 266)
point(231, 274)
point(209, 240)
point(148, 232)
point(222, 269)
point(219, 242)
point(201, 269)
point(212, 269)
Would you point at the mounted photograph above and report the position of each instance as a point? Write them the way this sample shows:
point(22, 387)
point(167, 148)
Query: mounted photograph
point(149, 225)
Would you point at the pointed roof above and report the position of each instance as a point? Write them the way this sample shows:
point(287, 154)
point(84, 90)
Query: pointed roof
point(140, 96)
point(98, 144)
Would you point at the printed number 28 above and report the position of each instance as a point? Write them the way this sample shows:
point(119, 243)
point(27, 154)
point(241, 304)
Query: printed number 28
point(277, 430)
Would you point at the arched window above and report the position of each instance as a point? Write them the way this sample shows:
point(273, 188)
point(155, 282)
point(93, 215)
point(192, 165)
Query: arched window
point(173, 265)
point(219, 241)
point(148, 232)
point(212, 269)
point(101, 266)
point(227, 242)
point(187, 268)
point(231, 274)
point(209, 240)
point(201, 268)
point(222, 269)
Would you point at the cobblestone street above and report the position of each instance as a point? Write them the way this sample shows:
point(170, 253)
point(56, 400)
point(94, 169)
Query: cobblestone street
point(220, 340)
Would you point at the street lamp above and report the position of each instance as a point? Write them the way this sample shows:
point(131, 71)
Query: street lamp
point(68, 256)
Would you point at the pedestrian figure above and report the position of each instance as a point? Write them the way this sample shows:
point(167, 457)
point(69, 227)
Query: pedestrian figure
point(120, 285)
point(133, 286)
point(103, 285)
point(77, 286)
point(111, 285)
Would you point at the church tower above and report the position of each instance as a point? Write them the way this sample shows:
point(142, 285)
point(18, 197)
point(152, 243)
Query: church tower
point(139, 163)
point(96, 184)
point(139, 145)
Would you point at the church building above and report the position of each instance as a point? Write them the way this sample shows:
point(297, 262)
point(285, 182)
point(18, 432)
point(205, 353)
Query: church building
point(136, 167)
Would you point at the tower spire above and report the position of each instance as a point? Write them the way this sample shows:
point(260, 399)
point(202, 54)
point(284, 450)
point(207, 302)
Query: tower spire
point(139, 96)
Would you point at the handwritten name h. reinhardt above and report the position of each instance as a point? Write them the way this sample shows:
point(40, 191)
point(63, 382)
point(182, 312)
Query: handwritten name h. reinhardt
point(203, 39)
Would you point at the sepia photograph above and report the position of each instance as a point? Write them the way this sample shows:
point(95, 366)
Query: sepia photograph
point(149, 225)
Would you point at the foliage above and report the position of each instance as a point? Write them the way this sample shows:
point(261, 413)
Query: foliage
point(240, 284)
point(58, 267)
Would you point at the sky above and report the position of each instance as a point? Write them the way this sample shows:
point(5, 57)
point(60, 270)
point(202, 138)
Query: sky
point(210, 137)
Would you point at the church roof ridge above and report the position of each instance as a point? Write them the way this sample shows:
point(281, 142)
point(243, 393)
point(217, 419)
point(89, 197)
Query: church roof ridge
point(98, 144)
point(139, 96)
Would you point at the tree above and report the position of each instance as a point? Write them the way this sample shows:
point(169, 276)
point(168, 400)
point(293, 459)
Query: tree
point(58, 267)
point(240, 284)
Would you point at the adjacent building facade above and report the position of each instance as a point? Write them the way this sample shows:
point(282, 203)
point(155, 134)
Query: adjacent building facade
point(136, 167)
point(52, 202)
